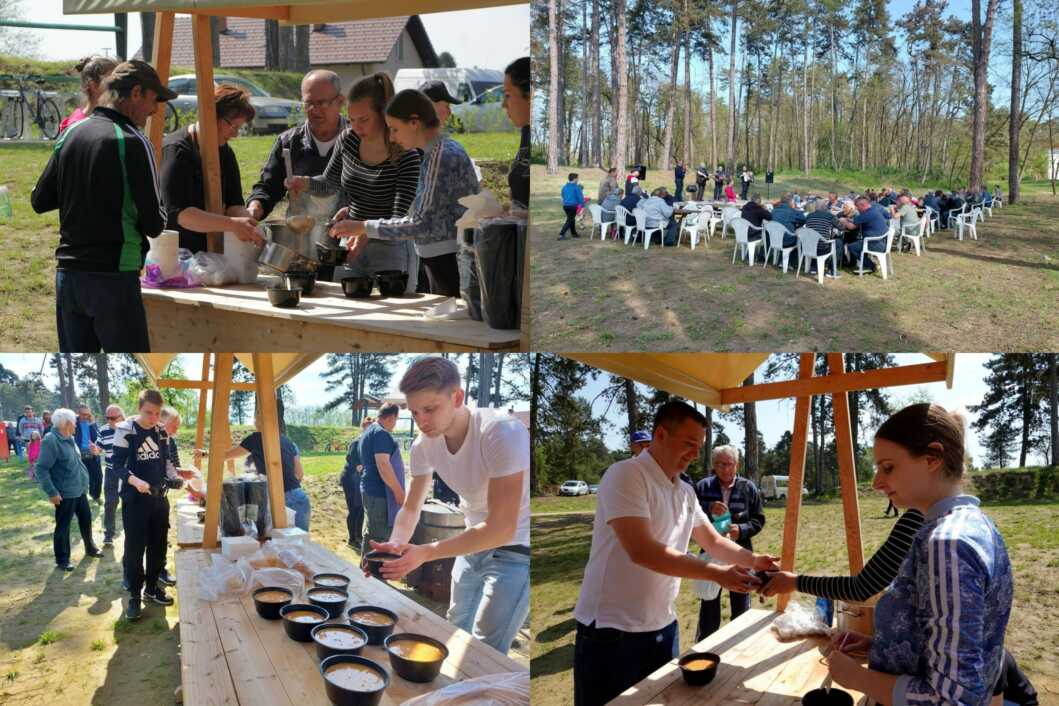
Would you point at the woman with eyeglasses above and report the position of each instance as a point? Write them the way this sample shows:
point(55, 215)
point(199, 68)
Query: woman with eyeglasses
point(375, 177)
point(182, 176)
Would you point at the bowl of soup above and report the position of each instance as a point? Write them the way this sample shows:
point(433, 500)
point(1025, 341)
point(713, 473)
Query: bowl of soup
point(338, 639)
point(352, 680)
point(415, 657)
point(333, 600)
point(339, 581)
point(699, 668)
point(300, 618)
point(270, 599)
point(378, 623)
point(373, 561)
point(827, 697)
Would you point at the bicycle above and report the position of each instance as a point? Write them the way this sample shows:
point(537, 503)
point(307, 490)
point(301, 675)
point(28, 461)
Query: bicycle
point(44, 113)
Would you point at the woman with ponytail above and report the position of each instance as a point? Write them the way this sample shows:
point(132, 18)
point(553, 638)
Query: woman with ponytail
point(93, 69)
point(375, 178)
point(939, 628)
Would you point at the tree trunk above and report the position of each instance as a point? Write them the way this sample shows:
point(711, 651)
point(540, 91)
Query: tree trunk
point(750, 463)
point(621, 118)
point(687, 152)
point(981, 37)
point(272, 62)
point(281, 411)
point(147, 36)
point(730, 160)
point(671, 108)
point(103, 380)
point(215, 40)
point(597, 114)
point(707, 446)
point(286, 47)
point(713, 111)
point(632, 408)
point(1014, 122)
point(586, 109)
point(485, 379)
point(553, 88)
point(301, 43)
point(834, 93)
point(807, 106)
point(535, 394)
point(1053, 405)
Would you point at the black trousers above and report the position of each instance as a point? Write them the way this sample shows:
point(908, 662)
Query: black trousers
point(443, 273)
point(95, 475)
point(571, 216)
point(64, 515)
point(608, 661)
point(97, 311)
point(146, 520)
point(717, 187)
point(710, 612)
point(354, 507)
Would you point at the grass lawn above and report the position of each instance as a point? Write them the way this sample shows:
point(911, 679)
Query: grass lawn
point(27, 287)
point(562, 503)
point(561, 546)
point(997, 293)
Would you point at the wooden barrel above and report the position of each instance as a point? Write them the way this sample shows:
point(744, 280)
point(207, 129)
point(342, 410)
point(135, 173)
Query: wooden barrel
point(437, 521)
point(858, 617)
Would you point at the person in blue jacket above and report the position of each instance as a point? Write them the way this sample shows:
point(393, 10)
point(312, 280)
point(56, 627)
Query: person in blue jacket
point(573, 197)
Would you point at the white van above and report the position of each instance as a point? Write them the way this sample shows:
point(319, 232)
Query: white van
point(481, 90)
point(775, 487)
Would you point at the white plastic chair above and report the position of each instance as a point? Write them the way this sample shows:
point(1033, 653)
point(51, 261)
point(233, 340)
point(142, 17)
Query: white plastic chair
point(774, 234)
point(728, 213)
point(808, 242)
point(916, 233)
point(694, 224)
point(884, 258)
point(977, 211)
point(597, 220)
point(933, 220)
point(641, 225)
point(621, 214)
point(966, 220)
point(713, 219)
point(741, 227)
point(987, 205)
point(958, 212)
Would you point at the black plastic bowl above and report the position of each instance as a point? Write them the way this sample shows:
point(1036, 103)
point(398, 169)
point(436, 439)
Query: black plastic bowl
point(357, 287)
point(324, 651)
point(376, 633)
point(302, 632)
point(823, 697)
point(331, 255)
point(305, 281)
point(392, 283)
point(284, 298)
point(268, 610)
point(415, 670)
point(340, 581)
point(345, 697)
point(373, 562)
point(699, 677)
point(333, 608)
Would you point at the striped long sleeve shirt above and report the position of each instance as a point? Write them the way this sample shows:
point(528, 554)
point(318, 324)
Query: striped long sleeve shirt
point(106, 442)
point(941, 625)
point(876, 574)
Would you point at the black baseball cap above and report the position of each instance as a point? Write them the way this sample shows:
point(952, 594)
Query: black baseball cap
point(438, 91)
point(139, 73)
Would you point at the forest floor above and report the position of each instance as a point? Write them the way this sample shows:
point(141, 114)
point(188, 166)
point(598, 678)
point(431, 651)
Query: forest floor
point(996, 293)
point(63, 635)
point(561, 545)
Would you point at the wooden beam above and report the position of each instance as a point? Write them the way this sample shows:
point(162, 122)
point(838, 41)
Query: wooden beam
point(200, 422)
point(162, 60)
point(844, 382)
point(203, 385)
point(796, 471)
point(269, 428)
point(207, 124)
point(847, 470)
point(279, 12)
point(222, 380)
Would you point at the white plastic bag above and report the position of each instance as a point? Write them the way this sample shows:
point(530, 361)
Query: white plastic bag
point(224, 578)
point(799, 622)
point(210, 269)
point(241, 257)
point(282, 578)
point(705, 590)
point(507, 689)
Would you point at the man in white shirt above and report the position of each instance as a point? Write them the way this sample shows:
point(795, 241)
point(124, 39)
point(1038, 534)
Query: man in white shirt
point(626, 622)
point(483, 455)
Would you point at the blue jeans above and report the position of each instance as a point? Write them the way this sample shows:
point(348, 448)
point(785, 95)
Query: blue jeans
point(298, 501)
point(490, 595)
point(854, 253)
point(609, 661)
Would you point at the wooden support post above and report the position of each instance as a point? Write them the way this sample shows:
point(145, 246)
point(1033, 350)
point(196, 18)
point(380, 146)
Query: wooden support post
point(200, 423)
point(207, 124)
point(796, 480)
point(847, 469)
point(269, 428)
point(222, 380)
point(162, 59)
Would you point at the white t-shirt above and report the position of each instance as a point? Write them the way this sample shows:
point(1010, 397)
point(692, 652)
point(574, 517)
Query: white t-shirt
point(322, 148)
point(615, 592)
point(496, 445)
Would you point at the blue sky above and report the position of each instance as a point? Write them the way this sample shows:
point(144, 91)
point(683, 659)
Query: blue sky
point(777, 416)
point(490, 38)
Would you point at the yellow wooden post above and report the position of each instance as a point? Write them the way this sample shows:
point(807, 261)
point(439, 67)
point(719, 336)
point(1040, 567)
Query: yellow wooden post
point(207, 124)
point(200, 423)
point(268, 418)
point(222, 379)
point(847, 472)
point(163, 55)
point(796, 472)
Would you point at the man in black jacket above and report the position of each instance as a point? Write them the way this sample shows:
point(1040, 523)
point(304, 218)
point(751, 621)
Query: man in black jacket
point(103, 179)
point(722, 493)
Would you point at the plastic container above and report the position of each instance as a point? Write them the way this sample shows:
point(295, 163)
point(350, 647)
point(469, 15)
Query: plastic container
point(420, 671)
point(291, 535)
point(235, 547)
point(163, 252)
point(499, 264)
point(470, 290)
point(241, 258)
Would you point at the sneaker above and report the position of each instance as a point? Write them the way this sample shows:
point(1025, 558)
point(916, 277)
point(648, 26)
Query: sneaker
point(158, 597)
point(65, 567)
point(94, 552)
point(165, 579)
point(562, 237)
point(108, 542)
point(133, 611)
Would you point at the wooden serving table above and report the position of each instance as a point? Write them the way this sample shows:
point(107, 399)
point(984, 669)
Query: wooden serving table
point(240, 317)
point(755, 668)
point(231, 655)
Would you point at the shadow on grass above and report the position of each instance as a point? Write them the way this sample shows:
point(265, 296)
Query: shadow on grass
point(996, 260)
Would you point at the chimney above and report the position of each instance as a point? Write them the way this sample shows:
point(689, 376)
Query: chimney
point(319, 27)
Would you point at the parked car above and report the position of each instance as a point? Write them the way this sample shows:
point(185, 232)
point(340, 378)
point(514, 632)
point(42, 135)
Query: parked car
point(593, 489)
point(273, 115)
point(574, 487)
point(775, 487)
point(481, 90)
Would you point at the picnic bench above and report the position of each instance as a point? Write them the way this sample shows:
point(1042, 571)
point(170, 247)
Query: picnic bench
point(756, 668)
point(231, 655)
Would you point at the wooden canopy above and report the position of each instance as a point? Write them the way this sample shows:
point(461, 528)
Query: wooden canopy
point(715, 379)
point(270, 370)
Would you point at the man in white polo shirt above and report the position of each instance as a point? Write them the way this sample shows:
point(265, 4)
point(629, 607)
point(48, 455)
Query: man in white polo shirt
point(483, 455)
point(626, 622)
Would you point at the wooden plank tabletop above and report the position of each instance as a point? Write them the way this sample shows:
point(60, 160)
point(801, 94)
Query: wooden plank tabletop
point(756, 668)
point(230, 655)
point(188, 319)
point(189, 529)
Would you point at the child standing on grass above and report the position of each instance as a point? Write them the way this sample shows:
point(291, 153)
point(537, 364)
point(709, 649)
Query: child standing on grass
point(32, 454)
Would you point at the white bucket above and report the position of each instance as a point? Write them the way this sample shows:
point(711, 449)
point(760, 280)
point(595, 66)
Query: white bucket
point(241, 258)
point(164, 252)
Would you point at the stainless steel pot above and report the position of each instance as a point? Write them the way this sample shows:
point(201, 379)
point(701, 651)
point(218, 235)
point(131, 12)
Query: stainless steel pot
point(300, 243)
point(283, 259)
